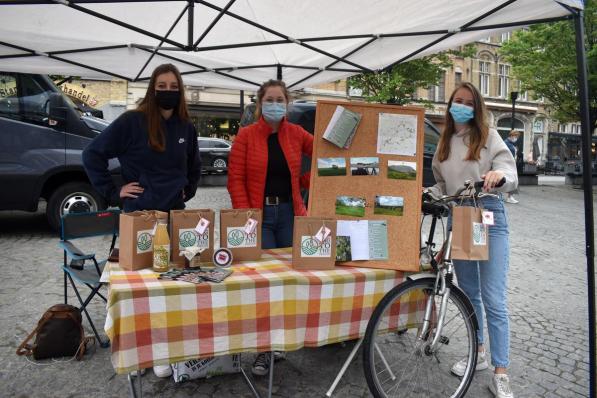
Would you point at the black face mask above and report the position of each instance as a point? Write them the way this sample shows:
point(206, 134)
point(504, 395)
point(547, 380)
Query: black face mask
point(167, 99)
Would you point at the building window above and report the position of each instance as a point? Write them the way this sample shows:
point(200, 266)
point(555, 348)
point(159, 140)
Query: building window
point(438, 93)
point(504, 80)
point(486, 39)
point(484, 77)
point(524, 96)
point(505, 37)
point(458, 78)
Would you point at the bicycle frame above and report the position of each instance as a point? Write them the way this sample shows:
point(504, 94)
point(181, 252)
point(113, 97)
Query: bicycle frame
point(443, 284)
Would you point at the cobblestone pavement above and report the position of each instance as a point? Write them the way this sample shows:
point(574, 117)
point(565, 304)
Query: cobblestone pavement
point(547, 303)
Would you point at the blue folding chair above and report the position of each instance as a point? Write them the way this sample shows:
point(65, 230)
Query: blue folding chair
point(83, 267)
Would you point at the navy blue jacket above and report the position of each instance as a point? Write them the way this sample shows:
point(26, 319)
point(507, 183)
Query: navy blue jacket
point(163, 175)
point(511, 147)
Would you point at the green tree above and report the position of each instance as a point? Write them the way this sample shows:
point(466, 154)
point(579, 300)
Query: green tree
point(399, 86)
point(544, 60)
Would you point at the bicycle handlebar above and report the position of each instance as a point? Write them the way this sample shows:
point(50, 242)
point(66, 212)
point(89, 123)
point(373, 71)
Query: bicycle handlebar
point(440, 208)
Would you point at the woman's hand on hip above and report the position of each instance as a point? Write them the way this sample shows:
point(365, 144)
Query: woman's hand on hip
point(131, 190)
point(491, 179)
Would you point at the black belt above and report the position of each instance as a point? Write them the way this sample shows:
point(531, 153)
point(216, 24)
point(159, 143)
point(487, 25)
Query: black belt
point(275, 200)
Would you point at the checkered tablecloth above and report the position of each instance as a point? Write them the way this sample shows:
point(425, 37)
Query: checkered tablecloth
point(263, 306)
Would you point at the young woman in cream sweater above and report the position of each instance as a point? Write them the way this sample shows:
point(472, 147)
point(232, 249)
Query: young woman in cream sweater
point(470, 150)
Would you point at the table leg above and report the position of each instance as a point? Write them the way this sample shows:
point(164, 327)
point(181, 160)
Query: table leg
point(344, 367)
point(250, 383)
point(385, 362)
point(133, 392)
point(271, 375)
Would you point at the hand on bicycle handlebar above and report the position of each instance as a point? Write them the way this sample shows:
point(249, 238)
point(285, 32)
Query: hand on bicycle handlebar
point(493, 179)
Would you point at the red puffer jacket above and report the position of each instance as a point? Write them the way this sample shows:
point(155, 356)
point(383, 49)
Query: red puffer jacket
point(247, 164)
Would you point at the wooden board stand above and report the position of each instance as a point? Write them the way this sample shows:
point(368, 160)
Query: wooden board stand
point(403, 231)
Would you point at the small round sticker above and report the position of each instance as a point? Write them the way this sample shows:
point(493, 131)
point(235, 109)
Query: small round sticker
point(222, 257)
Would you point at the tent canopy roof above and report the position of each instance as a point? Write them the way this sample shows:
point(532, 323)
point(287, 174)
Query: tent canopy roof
point(240, 43)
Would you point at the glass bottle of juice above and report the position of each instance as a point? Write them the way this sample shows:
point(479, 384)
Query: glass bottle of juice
point(161, 247)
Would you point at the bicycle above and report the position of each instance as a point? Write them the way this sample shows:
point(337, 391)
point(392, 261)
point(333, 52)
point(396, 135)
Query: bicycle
point(424, 325)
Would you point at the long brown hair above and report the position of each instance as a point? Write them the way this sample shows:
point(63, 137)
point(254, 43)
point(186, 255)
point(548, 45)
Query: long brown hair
point(479, 129)
point(263, 89)
point(149, 106)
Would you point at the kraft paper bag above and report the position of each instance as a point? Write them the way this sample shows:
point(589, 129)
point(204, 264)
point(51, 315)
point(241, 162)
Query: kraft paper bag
point(183, 234)
point(136, 239)
point(470, 237)
point(244, 246)
point(309, 252)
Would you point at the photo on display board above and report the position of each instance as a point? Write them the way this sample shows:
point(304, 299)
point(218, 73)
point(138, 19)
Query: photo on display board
point(350, 206)
point(364, 166)
point(389, 205)
point(399, 170)
point(331, 167)
point(343, 251)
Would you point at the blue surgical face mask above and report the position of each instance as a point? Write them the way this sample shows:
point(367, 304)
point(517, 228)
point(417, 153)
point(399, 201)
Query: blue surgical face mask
point(273, 112)
point(461, 113)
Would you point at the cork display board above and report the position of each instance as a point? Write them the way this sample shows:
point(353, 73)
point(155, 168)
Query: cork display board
point(347, 185)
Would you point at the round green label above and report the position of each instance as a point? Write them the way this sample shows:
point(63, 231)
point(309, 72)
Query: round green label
point(187, 239)
point(309, 246)
point(236, 237)
point(144, 241)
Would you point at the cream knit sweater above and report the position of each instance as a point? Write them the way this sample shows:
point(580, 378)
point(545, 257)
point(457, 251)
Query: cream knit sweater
point(451, 174)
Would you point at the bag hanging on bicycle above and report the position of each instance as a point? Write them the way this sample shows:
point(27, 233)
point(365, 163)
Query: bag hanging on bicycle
point(59, 333)
point(470, 236)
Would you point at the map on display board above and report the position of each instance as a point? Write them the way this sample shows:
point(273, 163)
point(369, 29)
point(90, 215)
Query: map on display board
point(372, 186)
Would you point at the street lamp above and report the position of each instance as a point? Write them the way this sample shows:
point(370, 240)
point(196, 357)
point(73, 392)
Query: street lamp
point(513, 97)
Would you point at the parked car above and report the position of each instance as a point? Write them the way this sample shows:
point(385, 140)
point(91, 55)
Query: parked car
point(303, 113)
point(214, 154)
point(42, 137)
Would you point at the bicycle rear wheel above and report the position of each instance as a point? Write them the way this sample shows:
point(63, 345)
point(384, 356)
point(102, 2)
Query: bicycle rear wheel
point(397, 356)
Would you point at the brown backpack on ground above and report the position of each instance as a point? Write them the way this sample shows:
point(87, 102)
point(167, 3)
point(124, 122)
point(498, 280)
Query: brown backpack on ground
point(59, 333)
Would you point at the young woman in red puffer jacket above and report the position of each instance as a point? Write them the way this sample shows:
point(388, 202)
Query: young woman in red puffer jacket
point(264, 168)
point(264, 171)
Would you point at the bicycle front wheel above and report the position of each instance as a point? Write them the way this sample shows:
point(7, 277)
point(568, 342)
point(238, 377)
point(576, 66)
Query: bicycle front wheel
point(398, 355)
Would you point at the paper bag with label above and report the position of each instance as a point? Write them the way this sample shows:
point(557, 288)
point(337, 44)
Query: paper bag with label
point(314, 243)
point(470, 239)
point(136, 238)
point(240, 231)
point(191, 228)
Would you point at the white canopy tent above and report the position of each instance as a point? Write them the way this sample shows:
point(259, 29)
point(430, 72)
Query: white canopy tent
point(239, 44)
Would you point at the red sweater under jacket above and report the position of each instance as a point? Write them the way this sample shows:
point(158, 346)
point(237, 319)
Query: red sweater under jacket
point(247, 163)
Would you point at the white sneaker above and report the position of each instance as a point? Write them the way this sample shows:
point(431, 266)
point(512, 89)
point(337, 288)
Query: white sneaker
point(510, 199)
point(460, 366)
point(162, 370)
point(500, 386)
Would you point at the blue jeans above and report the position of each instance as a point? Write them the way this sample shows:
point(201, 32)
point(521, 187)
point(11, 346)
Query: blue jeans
point(278, 223)
point(486, 285)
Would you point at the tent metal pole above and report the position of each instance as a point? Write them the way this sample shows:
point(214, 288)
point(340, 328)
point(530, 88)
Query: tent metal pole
point(242, 102)
point(296, 41)
point(202, 68)
point(444, 37)
point(213, 23)
point(279, 72)
point(123, 24)
point(191, 24)
point(335, 62)
point(82, 50)
point(587, 128)
point(161, 42)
